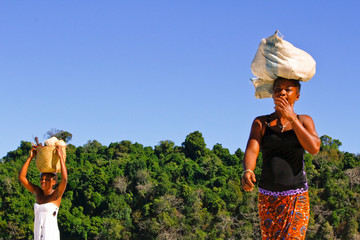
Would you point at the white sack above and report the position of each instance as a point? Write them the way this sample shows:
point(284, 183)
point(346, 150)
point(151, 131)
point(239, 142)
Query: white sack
point(275, 58)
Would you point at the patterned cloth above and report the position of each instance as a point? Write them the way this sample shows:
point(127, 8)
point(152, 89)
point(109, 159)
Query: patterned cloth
point(284, 217)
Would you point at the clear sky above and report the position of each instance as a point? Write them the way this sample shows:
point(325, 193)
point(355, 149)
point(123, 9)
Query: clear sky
point(148, 71)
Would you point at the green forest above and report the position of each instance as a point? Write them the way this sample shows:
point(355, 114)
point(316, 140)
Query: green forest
point(128, 191)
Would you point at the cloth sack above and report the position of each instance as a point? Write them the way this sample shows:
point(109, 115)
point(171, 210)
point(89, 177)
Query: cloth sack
point(275, 58)
point(47, 159)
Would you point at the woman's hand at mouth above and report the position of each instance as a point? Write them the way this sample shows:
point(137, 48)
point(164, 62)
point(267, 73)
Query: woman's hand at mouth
point(284, 108)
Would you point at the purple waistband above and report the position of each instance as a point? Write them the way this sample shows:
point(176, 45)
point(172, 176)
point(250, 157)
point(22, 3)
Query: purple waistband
point(285, 193)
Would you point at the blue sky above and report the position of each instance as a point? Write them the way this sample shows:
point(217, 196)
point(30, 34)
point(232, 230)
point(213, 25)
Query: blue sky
point(148, 71)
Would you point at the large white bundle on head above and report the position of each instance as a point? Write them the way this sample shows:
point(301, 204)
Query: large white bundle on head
point(275, 58)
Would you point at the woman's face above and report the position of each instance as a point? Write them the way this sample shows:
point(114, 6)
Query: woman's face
point(286, 89)
point(47, 182)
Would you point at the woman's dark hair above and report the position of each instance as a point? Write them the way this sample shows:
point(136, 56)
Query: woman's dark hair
point(50, 174)
point(296, 82)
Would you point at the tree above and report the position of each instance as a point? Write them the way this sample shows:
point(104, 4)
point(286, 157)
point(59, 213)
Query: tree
point(328, 143)
point(225, 155)
point(164, 148)
point(59, 134)
point(354, 176)
point(194, 145)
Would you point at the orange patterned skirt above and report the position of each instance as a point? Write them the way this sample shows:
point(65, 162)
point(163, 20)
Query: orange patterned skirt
point(284, 217)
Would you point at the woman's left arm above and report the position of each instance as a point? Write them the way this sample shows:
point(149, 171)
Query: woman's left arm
point(64, 176)
point(304, 128)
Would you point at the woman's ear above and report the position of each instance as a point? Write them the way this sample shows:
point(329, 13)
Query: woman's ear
point(53, 182)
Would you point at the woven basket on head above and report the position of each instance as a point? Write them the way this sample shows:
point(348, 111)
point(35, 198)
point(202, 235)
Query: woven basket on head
point(47, 159)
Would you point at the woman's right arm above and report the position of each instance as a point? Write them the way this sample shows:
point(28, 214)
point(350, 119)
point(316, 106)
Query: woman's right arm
point(22, 176)
point(251, 154)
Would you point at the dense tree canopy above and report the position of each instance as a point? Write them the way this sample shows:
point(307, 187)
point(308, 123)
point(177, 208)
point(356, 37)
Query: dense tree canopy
point(128, 191)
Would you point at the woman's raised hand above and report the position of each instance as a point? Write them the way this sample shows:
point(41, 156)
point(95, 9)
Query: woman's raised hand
point(286, 110)
point(33, 152)
point(60, 151)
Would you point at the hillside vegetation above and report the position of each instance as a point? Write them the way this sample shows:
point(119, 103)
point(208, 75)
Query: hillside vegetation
point(128, 191)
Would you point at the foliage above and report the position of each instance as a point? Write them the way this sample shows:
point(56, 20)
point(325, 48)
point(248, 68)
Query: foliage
point(128, 191)
point(59, 134)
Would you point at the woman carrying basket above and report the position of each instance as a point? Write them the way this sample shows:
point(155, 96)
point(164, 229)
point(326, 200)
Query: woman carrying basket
point(48, 198)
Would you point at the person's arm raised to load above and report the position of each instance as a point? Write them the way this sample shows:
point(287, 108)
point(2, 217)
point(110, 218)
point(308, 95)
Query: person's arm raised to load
point(22, 176)
point(251, 154)
point(64, 176)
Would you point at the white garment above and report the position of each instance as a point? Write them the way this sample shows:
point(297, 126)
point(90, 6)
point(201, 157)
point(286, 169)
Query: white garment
point(45, 223)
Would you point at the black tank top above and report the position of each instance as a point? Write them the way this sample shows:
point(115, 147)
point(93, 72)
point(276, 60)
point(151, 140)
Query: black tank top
point(283, 162)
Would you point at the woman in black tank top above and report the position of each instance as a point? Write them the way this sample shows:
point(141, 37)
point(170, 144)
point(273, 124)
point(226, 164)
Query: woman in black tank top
point(283, 137)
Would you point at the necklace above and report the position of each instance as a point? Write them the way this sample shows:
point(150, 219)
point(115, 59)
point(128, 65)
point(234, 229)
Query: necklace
point(282, 127)
point(278, 122)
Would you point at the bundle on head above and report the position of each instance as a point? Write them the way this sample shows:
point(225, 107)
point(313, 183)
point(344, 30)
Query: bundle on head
point(275, 58)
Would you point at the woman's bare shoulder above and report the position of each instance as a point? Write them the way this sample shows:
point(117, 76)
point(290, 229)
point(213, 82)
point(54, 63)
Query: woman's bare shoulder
point(261, 119)
point(258, 126)
point(305, 118)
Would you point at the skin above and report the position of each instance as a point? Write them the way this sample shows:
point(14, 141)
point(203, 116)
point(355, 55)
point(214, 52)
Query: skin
point(285, 95)
point(46, 192)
